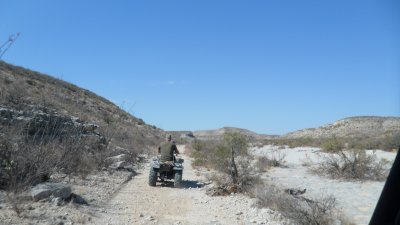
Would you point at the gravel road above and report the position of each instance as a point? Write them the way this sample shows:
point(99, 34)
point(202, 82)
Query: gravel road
point(138, 203)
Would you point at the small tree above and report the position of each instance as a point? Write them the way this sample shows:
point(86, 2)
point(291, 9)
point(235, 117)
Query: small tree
point(237, 144)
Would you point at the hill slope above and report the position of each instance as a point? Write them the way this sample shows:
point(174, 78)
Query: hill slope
point(352, 127)
point(26, 90)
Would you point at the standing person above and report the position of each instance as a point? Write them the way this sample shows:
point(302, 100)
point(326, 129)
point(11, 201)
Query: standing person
point(167, 149)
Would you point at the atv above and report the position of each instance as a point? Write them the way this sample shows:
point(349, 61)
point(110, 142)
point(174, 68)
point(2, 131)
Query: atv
point(160, 171)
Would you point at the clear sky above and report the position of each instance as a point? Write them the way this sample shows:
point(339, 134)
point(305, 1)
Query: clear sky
point(271, 66)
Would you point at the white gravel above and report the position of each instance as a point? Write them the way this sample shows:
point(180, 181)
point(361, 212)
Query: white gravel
point(356, 199)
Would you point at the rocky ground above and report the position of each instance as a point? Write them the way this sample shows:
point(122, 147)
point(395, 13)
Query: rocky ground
point(95, 189)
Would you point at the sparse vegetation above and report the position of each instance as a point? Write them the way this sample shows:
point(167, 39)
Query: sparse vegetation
point(389, 142)
point(49, 126)
point(30, 157)
point(273, 159)
point(352, 165)
point(230, 157)
point(332, 145)
point(299, 210)
point(21, 88)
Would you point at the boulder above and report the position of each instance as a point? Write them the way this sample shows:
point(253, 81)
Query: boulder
point(119, 162)
point(45, 190)
point(77, 199)
point(119, 165)
point(117, 158)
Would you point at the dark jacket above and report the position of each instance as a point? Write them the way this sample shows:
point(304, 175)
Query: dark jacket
point(167, 150)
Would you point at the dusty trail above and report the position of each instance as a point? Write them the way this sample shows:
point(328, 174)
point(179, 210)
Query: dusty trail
point(138, 203)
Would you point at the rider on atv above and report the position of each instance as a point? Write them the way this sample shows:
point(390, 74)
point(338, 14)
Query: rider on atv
point(167, 149)
point(166, 166)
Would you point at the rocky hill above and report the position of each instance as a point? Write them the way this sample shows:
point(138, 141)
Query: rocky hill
point(352, 127)
point(27, 91)
point(55, 125)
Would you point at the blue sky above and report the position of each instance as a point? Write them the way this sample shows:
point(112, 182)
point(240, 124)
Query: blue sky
point(269, 66)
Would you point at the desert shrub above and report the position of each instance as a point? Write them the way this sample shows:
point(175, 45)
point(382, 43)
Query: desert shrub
point(198, 158)
point(293, 142)
point(332, 145)
point(28, 157)
point(220, 160)
point(391, 141)
point(120, 139)
point(272, 159)
point(230, 157)
point(225, 154)
point(263, 164)
point(16, 94)
point(248, 177)
point(247, 180)
point(203, 152)
point(299, 210)
point(353, 164)
point(198, 145)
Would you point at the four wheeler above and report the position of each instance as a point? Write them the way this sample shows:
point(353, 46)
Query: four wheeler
point(170, 170)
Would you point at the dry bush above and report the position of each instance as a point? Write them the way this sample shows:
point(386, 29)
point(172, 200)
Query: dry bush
point(230, 157)
point(352, 165)
point(29, 156)
point(273, 159)
point(332, 145)
point(248, 177)
point(294, 142)
point(300, 210)
point(203, 152)
point(121, 140)
point(391, 141)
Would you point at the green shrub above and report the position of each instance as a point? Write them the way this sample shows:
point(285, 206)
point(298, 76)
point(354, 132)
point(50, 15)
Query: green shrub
point(332, 145)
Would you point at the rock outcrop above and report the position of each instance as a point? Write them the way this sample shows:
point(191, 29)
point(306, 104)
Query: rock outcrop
point(43, 121)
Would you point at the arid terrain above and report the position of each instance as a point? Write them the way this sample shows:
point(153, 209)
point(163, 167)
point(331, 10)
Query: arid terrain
point(138, 203)
point(68, 156)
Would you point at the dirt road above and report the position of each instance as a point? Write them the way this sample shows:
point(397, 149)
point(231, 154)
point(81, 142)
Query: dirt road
point(138, 203)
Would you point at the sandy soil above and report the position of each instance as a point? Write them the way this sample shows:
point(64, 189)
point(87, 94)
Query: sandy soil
point(138, 203)
point(356, 199)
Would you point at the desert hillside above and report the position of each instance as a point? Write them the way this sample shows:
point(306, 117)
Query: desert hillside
point(352, 127)
point(25, 90)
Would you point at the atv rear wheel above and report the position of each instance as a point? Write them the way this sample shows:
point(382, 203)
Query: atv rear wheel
point(178, 179)
point(152, 177)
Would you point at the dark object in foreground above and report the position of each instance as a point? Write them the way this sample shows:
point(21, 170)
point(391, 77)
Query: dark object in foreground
point(387, 211)
point(166, 170)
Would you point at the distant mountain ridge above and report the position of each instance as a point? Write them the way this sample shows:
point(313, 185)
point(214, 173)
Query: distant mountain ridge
point(219, 133)
point(351, 127)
